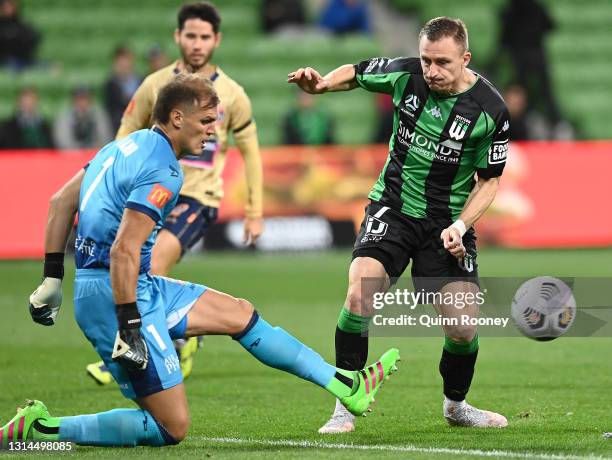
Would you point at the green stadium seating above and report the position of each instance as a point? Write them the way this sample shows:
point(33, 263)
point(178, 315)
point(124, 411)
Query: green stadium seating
point(579, 51)
point(79, 38)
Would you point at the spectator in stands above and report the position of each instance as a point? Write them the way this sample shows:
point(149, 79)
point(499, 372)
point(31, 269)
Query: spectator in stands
point(27, 128)
point(305, 124)
point(282, 14)
point(82, 125)
point(18, 40)
point(516, 101)
point(157, 59)
point(525, 24)
point(121, 85)
point(346, 16)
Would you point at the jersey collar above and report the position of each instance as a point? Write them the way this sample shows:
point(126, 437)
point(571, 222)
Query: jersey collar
point(213, 77)
point(163, 134)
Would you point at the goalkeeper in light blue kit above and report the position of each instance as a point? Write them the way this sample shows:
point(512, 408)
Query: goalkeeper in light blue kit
point(130, 316)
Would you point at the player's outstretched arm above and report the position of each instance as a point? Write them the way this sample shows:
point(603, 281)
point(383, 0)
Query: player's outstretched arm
point(46, 300)
point(130, 348)
point(311, 81)
point(62, 208)
point(477, 203)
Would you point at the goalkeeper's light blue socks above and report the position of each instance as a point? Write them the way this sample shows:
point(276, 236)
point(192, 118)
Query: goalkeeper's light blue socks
point(117, 427)
point(276, 348)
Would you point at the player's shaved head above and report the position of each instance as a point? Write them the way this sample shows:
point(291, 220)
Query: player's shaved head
point(185, 91)
point(204, 11)
point(443, 26)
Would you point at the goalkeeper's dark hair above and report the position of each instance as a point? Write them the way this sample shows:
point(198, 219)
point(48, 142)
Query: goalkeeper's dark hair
point(443, 26)
point(202, 10)
point(185, 91)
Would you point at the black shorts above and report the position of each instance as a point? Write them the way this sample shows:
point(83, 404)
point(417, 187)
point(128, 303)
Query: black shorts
point(394, 239)
point(189, 220)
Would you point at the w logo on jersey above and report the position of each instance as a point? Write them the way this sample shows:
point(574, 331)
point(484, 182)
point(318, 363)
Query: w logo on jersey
point(458, 128)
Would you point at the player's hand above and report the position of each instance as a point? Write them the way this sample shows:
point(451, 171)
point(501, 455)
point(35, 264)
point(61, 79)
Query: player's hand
point(253, 228)
point(453, 242)
point(309, 80)
point(45, 301)
point(130, 348)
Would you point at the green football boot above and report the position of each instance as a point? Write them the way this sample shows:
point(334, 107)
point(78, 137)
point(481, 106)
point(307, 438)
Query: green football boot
point(370, 380)
point(27, 426)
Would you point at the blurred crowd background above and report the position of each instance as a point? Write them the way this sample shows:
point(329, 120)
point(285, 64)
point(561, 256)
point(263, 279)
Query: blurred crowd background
point(70, 67)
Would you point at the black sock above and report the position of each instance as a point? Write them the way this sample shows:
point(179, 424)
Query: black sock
point(351, 350)
point(457, 372)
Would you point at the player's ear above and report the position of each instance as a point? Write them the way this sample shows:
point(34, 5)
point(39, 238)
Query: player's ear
point(177, 36)
point(467, 57)
point(218, 38)
point(177, 118)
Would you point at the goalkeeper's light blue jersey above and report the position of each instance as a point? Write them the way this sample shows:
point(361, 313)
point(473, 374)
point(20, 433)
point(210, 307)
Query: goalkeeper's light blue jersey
point(138, 172)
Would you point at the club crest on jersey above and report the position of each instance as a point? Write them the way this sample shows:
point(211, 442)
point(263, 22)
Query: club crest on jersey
point(459, 127)
point(159, 196)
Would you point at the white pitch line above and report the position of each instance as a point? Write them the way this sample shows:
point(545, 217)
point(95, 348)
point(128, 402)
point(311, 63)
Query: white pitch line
point(393, 448)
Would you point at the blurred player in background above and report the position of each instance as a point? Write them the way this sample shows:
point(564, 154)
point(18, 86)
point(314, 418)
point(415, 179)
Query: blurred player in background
point(197, 37)
point(130, 316)
point(449, 124)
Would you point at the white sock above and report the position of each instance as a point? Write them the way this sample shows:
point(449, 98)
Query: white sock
point(454, 404)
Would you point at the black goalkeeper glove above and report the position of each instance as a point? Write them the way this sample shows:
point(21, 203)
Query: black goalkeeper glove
point(130, 348)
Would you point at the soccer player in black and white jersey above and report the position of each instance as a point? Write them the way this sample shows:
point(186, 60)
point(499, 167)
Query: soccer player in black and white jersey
point(446, 155)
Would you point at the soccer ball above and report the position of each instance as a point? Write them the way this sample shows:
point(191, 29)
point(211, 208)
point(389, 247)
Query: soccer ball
point(543, 308)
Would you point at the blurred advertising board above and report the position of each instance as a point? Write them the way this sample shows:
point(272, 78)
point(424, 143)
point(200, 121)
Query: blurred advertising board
point(551, 195)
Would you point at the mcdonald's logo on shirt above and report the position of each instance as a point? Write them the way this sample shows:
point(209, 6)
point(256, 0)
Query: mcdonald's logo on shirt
point(159, 196)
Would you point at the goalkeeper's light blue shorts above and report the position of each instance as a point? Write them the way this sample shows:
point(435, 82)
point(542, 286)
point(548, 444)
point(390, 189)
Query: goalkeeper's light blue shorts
point(163, 304)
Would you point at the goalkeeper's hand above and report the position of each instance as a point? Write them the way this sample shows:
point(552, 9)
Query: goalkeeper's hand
point(130, 349)
point(45, 301)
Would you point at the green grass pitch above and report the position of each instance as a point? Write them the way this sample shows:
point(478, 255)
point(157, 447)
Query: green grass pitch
point(557, 395)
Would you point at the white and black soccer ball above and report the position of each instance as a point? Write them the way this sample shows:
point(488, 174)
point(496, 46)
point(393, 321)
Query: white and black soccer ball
point(543, 308)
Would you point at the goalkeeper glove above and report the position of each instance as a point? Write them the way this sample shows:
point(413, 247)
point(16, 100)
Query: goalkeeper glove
point(46, 300)
point(130, 348)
